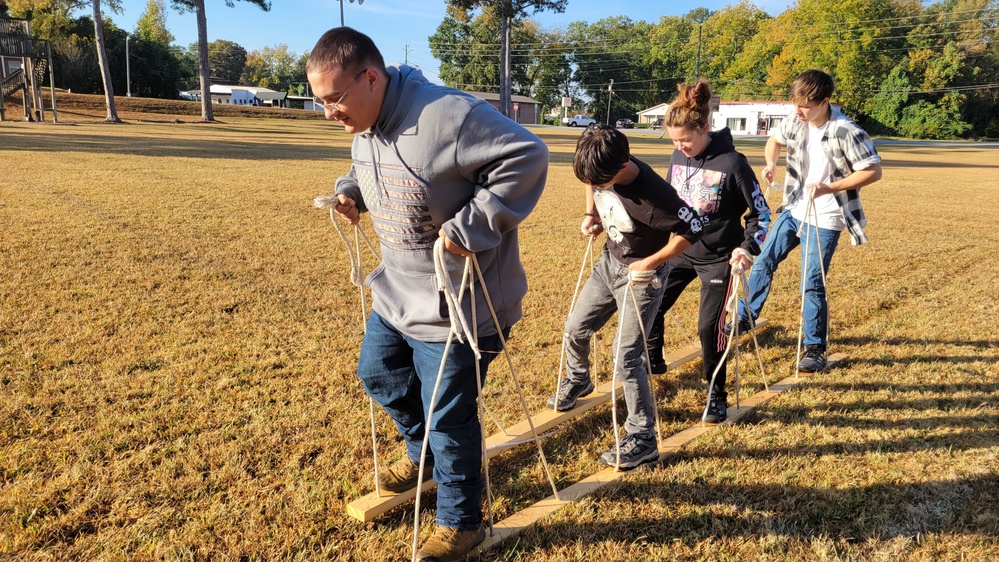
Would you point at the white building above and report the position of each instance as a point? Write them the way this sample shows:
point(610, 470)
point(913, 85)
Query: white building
point(750, 117)
point(741, 117)
point(240, 95)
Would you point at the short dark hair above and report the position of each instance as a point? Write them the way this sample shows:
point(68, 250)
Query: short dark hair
point(600, 152)
point(811, 85)
point(344, 47)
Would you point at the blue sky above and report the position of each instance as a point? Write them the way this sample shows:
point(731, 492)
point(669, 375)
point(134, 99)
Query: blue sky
point(391, 23)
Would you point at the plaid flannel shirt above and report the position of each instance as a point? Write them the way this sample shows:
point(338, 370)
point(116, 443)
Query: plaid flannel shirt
point(848, 148)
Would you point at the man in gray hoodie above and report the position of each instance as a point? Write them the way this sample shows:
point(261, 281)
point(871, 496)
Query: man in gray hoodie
point(430, 162)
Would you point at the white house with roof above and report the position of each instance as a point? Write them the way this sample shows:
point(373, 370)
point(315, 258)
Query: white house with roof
point(750, 117)
point(651, 114)
point(741, 117)
point(240, 95)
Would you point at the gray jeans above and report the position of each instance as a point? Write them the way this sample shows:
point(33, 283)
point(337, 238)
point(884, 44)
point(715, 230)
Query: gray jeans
point(606, 292)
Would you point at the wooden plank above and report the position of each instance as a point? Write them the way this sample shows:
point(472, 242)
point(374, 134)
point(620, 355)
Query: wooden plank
point(369, 506)
point(520, 521)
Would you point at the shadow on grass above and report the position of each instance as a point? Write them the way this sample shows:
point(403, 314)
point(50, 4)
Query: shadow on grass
point(866, 340)
point(858, 514)
point(134, 145)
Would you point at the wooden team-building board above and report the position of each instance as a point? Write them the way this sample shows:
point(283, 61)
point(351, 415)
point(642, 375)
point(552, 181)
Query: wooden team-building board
point(372, 505)
point(523, 519)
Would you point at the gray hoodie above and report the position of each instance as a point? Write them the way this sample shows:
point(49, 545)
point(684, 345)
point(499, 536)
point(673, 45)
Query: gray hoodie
point(438, 157)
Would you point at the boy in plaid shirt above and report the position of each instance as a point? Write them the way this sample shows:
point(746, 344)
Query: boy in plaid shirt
point(831, 154)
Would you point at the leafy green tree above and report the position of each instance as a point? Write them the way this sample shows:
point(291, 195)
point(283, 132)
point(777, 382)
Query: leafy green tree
point(724, 37)
point(467, 49)
point(272, 67)
point(507, 11)
point(670, 61)
point(617, 48)
point(226, 60)
point(885, 108)
point(925, 120)
point(151, 26)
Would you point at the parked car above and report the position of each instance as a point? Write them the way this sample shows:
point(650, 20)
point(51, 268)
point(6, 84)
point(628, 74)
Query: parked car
point(578, 121)
point(657, 124)
point(625, 123)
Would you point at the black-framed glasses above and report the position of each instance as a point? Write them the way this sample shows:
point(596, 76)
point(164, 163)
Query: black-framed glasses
point(335, 106)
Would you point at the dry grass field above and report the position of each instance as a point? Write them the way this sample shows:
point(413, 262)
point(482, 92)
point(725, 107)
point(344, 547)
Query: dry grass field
point(178, 337)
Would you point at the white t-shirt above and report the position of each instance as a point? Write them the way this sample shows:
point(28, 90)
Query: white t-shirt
point(829, 212)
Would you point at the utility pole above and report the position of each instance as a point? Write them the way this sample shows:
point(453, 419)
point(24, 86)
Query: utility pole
point(697, 68)
point(359, 2)
point(406, 61)
point(128, 69)
point(610, 94)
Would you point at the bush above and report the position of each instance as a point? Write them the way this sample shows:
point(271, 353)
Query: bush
point(924, 120)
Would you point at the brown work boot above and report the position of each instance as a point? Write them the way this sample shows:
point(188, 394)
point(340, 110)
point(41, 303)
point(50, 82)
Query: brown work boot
point(401, 476)
point(449, 544)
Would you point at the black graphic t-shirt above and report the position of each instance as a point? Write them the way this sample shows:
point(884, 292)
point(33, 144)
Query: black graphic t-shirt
point(640, 216)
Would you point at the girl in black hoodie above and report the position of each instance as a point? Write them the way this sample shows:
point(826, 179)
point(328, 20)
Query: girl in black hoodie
point(718, 183)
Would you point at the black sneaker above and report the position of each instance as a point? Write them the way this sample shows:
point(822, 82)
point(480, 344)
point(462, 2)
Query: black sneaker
point(657, 365)
point(813, 359)
point(744, 327)
point(568, 393)
point(717, 410)
point(635, 450)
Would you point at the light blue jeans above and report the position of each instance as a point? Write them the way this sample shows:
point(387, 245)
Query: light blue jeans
point(781, 240)
point(606, 292)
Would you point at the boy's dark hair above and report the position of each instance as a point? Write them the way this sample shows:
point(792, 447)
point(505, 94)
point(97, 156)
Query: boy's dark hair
point(344, 47)
point(600, 152)
point(811, 86)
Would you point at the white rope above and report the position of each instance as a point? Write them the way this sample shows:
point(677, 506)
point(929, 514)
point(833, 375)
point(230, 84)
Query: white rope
point(810, 213)
point(634, 277)
point(562, 365)
point(737, 281)
point(356, 278)
point(513, 374)
point(459, 328)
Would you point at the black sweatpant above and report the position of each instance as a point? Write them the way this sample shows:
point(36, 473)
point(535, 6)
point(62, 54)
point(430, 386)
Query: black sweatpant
point(714, 292)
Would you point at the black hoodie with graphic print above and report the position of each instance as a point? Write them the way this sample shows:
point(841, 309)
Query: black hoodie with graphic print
point(720, 186)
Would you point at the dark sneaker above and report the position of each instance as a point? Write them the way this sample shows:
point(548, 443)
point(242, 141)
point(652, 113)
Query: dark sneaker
point(813, 359)
point(449, 544)
point(568, 393)
point(744, 327)
point(658, 367)
point(401, 476)
point(635, 450)
point(717, 410)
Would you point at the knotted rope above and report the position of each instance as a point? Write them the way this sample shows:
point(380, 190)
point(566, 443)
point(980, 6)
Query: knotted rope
point(460, 329)
point(634, 278)
point(737, 281)
point(356, 277)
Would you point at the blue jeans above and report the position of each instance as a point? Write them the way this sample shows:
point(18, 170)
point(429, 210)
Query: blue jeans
point(606, 292)
point(399, 373)
point(782, 238)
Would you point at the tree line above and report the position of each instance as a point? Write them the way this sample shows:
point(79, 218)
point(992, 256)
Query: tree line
point(85, 48)
point(902, 67)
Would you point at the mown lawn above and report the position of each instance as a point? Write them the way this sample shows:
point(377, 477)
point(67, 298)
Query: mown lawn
point(178, 336)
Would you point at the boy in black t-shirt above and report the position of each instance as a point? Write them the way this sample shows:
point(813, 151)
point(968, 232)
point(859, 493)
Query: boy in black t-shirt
point(638, 210)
